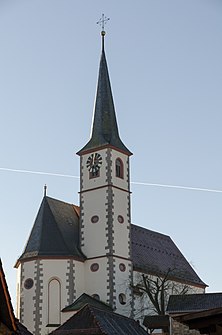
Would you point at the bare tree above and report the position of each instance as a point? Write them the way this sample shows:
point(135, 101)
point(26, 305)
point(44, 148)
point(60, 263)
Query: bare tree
point(158, 289)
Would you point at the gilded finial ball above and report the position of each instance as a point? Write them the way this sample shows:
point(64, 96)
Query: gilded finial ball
point(103, 33)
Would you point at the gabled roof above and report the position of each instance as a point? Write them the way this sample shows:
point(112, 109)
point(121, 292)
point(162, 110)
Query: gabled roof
point(6, 310)
point(55, 231)
point(85, 299)
point(194, 302)
point(92, 320)
point(104, 128)
point(157, 254)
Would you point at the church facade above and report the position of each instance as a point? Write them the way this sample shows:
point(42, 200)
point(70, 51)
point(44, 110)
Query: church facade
point(93, 248)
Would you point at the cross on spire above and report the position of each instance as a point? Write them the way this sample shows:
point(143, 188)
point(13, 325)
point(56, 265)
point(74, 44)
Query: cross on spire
point(102, 21)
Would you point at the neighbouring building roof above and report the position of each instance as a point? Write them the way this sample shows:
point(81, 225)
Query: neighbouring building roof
point(206, 322)
point(156, 253)
point(7, 317)
point(6, 310)
point(92, 320)
point(194, 302)
point(22, 330)
point(56, 233)
point(85, 299)
point(104, 128)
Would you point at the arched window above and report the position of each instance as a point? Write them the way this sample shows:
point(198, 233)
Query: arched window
point(54, 302)
point(119, 168)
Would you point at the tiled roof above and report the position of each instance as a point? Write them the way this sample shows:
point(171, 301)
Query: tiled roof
point(55, 231)
point(99, 321)
point(194, 302)
point(85, 299)
point(156, 254)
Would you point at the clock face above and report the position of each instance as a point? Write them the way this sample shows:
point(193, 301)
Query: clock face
point(94, 162)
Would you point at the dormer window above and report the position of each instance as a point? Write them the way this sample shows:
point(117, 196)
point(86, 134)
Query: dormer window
point(119, 168)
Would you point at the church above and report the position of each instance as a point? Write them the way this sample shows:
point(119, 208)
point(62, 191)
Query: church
point(92, 249)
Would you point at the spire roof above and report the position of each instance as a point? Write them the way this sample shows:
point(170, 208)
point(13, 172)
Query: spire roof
point(104, 128)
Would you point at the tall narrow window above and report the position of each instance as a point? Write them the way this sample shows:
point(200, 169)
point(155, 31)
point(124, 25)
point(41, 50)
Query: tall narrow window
point(54, 303)
point(119, 168)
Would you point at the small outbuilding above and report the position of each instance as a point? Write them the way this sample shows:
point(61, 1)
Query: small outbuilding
point(196, 312)
point(93, 320)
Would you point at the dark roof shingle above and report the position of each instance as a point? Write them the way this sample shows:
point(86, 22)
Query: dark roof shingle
point(156, 253)
point(194, 302)
point(101, 321)
point(105, 129)
point(55, 231)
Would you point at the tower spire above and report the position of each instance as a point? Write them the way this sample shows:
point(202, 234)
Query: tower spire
point(104, 127)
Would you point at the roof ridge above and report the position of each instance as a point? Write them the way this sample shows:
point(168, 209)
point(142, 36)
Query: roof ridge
point(149, 230)
point(91, 308)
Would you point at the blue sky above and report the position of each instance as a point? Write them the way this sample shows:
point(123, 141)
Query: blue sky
point(164, 60)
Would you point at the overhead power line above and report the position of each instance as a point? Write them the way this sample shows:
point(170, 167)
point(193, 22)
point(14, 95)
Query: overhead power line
point(191, 188)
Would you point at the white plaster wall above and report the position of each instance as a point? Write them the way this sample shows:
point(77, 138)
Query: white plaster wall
point(18, 290)
point(121, 230)
point(53, 269)
point(79, 278)
point(94, 234)
point(26, 295)
point(96, 282)
point(123, 285)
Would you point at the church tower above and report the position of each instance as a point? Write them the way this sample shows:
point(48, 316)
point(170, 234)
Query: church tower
point(105, 203)
point(73, 250)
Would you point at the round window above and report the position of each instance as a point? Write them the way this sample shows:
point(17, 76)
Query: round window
point(94, 219)
point(122, 267)
point(28, 283)
point(122, 298)
point(120, 218)
point(94, 267)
